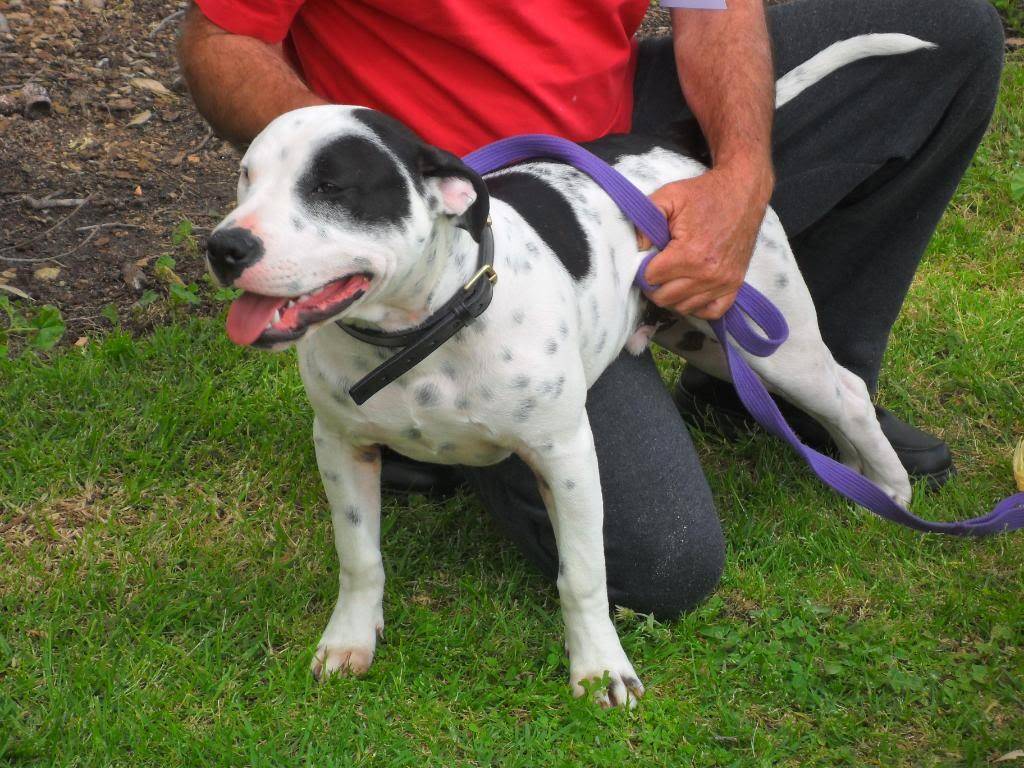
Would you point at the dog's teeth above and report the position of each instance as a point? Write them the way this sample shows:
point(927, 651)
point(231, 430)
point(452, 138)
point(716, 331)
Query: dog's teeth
point(290, 304)
point(277, 317)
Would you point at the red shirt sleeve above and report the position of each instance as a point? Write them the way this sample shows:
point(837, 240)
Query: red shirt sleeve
point(265, 20)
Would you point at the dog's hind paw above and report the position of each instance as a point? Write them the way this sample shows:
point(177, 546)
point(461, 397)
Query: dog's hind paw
point(609, 688)
point(335, 660)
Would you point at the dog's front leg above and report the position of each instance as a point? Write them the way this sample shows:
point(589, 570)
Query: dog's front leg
point(351, 476)
point(571, 487)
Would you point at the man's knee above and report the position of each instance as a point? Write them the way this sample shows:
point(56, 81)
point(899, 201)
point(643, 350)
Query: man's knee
point(667, 573)
point(970, 32)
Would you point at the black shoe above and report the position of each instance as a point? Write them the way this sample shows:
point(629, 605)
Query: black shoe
point(712, 405)
point(402, 475)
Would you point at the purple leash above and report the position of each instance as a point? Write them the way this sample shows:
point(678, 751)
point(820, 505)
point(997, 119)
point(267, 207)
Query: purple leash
point(1008, 514)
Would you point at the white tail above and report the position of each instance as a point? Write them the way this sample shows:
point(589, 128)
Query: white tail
point(837, 55)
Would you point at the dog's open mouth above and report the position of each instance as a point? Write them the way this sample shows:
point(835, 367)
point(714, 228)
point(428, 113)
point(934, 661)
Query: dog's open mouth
point(260, 320)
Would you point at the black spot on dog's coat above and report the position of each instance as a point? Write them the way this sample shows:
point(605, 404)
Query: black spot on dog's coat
point(781, 280)
point(547, 211)
point(422, 161)
point(553, 387)
point(524, 410)
point(427, 395)
point(350, 177)
point(367, 455)
point(551, 346)
point(353, 516)
point(683, 137)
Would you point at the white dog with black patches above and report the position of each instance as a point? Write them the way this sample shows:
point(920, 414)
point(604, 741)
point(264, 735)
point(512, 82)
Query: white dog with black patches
point(345, 215)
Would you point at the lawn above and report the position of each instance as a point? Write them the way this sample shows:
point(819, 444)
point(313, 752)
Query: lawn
point(166, 568)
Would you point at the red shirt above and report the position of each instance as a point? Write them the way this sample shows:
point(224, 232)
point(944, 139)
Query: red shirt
point(461, 73)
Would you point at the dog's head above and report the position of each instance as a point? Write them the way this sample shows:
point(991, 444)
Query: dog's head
point(334, 203)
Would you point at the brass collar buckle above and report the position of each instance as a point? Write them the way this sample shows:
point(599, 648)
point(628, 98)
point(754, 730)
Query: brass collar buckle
point(487, 270)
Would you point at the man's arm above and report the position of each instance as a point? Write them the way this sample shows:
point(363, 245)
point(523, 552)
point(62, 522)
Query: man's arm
point(239, 83)
point(725, 69)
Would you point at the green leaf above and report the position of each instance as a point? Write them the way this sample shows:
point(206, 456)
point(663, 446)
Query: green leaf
point(227, 294)
point(147, 298)
point(110, 313)
point(165, 260)
point(1017, 186)
point(182, 232)
point(186, 293)
point(15, 321)
point(49, 327)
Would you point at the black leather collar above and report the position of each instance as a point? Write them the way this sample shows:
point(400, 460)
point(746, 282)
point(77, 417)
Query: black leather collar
point(418, 342)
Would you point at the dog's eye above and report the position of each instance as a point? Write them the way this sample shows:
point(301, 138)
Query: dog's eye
point(327, 188)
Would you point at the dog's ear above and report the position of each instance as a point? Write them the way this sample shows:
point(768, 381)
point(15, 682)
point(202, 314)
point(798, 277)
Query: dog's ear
point(460, 189)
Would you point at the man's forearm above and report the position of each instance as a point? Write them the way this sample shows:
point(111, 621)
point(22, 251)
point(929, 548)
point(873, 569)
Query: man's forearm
point(725, 69)
point(239, 83)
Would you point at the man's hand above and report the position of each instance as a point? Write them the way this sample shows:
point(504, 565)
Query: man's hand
point(725, 71)
point(713, 220)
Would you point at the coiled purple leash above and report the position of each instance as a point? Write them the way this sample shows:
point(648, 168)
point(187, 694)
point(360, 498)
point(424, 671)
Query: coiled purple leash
point(1008, 515)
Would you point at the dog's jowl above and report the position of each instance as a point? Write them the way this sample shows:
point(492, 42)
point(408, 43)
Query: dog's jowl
point(345, 216)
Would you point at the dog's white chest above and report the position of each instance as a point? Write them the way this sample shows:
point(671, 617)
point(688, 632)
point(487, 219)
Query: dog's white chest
point(432, 413)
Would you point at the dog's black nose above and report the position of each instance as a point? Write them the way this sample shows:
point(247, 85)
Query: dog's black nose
point(231, 250)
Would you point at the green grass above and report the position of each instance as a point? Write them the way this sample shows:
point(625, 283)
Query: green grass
point(166, 569)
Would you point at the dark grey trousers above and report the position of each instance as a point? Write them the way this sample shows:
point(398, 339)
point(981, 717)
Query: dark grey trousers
point(866, 163)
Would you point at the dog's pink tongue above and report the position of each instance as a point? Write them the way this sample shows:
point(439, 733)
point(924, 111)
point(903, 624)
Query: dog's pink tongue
point(249, 315)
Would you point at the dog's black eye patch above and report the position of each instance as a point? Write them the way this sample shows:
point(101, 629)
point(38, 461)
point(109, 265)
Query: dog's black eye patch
point(353, 178)
point(550, 215)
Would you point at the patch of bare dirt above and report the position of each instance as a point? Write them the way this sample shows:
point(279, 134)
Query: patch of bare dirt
point(90, 193)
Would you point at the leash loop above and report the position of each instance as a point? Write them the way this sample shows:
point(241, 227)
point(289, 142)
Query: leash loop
point(734, 326)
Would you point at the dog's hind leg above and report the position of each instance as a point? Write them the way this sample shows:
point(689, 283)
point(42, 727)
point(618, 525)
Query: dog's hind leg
point(351, 476)
point(804, 372)
point(570, 485)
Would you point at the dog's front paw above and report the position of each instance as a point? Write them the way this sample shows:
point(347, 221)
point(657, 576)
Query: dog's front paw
point(340, 660)
point(347, 646)
point(609, 677)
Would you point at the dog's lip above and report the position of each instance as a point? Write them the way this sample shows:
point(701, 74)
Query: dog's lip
point(256, 319)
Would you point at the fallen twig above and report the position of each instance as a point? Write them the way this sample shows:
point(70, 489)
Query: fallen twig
point(36, 260)
point(44, 233)
point(85, 240)
point(205, 141)
point(105, 224)
point(52, 202)
point(165, 21)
